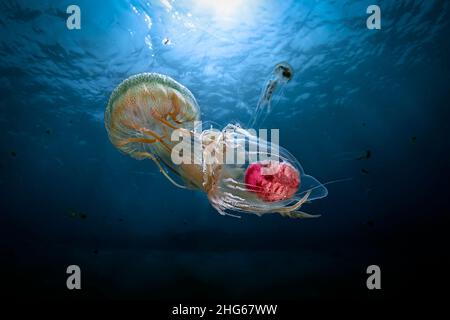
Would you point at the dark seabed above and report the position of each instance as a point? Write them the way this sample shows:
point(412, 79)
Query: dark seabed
point(69, 197)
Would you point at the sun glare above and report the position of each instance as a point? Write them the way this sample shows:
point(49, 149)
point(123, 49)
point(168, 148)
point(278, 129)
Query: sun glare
point(221, 8)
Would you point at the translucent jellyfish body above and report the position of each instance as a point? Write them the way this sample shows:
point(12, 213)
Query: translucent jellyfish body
point(151, 116)
point(263, 178)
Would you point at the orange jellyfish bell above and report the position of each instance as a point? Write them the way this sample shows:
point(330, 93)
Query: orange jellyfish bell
point(145, 108)
point(142, 113)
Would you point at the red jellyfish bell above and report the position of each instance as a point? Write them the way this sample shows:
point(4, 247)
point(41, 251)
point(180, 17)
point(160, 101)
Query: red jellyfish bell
point(272, 180)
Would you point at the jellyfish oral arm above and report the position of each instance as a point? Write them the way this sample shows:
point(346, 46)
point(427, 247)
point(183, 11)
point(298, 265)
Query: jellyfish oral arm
point(300, 215)
point(160, 167)
point(145, 132)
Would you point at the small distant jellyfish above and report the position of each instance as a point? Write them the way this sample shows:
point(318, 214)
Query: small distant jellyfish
point(281, 74)
point(146, 114)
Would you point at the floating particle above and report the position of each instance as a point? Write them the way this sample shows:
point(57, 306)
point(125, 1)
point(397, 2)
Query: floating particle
point(48, 131)
point(364, 171)
point(367, 155)
point(75, 214)
point(413, 139)
point(166, 41)
point(13, 153)
point(95, 251)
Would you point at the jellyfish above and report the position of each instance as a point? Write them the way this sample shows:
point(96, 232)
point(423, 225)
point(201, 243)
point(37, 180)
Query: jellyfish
point(151, 116)
point(281, 74)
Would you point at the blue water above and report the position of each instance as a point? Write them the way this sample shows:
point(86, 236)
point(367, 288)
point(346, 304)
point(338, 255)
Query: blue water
point(69, 197)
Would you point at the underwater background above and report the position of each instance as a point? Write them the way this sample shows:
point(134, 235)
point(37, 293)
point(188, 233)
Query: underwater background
point(69, 197)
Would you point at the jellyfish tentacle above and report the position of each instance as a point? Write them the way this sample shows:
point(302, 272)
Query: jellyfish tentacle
point(167, 123)
point(295, 206)
point(174, 118)
point(161, 169)
point(142, 130)
point(131, 140)
point(155, 114)
point(157, 137)
point(147, 132)
point(176, 109)
point(300, 215)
